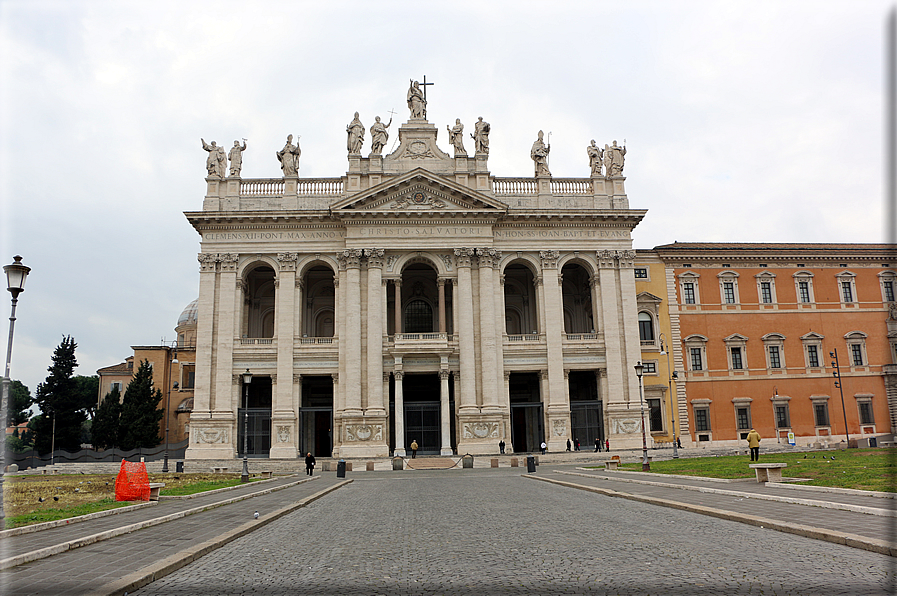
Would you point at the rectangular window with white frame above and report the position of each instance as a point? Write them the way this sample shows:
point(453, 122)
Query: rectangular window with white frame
point(728, 285)
point(820, 413)
point(736, 358)
point(888, 280)
point(775, 351)
point(864, 407)
point(783, 417)
point(813, 356)
point(803, 283)
point(848, 289)
point(689, 292)
point(888, 289)
point(655, 415)
point(856, 354)
point(775, 359)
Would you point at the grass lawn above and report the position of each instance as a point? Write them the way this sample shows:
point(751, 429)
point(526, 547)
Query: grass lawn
point(866, 469)
point(70, 495)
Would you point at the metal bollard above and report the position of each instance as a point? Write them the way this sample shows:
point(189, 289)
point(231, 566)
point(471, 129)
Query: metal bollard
point(530, 464)
point(341, 469)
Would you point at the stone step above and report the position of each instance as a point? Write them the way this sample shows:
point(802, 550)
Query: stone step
point(430, 463)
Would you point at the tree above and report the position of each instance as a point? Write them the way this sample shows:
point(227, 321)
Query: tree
point(20, 401)
point(140, 417)
point(106, 421)
point(58, 398)
point(88, 388)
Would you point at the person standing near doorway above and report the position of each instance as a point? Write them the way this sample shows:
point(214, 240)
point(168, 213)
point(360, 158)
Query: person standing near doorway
point(753, 440)
point(568, 444)
point(413, 449)
point(597, 445)
point(576, 444)
point(607, 444)
point(309, 464)
point(543, 447)
point(501, 446)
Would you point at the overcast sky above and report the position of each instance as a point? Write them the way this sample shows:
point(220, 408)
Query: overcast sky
point(744, 121)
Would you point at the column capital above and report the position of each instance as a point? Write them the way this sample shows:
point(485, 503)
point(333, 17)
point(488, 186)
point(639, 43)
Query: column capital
point(350, 258)
point(444, 375)
point(605, 258)
point(549, 258)
point(208, 262)
point(464, 256)
point(507, 376)
point(287, 260)
point(374, 257)
point(626, 259)
point(228, 261)
point(398, 375)
point(335, 377)
point(488, 257)
point(297, 378)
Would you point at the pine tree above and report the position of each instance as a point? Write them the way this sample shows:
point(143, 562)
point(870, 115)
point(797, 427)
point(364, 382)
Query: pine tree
point(106, 421)
point(57, 397)
point(139, 422)
point(19, 403)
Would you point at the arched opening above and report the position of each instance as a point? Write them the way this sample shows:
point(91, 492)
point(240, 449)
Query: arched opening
point(319, 302)
point(521, 314)
point(259, 301)
point(577, 299)
point(419, 301)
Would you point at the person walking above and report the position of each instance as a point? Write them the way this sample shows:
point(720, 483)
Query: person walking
point(413, 449)
point(501, 446)
point(597, 445)
point(310, 464)
point(753, 440)
point(543, 447)
point(607, 444)
point(576, 444)
point(568, 444)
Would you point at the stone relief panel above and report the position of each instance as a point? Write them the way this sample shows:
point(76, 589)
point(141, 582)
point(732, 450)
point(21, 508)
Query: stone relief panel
point(210, 435)
point(418, 149)
point(481, 430)
point(283, 434)
point(448, 261)
point(559, 428)
point(364, 432)
point(418, 200)
point(627, 426)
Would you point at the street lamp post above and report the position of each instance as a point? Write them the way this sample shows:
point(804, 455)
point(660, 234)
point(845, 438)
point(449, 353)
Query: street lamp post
point(15, 283)
point(646, 467)
point(672, 375)
point(247, 379)
point(837, 374)
point(168, 408)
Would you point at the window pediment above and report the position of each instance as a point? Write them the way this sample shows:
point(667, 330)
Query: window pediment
point(812, 335)
point(735, 338)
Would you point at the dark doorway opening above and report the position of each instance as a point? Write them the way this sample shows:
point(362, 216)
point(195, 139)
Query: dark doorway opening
point(527, 428)
point(420, 393)
point(254, 418)
point(316, 416)
point(586, 410)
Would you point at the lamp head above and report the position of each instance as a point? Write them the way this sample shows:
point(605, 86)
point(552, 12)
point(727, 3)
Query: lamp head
point(831, 354)
point(15, 276)
point(675, 375)
point(639, 367)
point(175, 386)
point(247, 377)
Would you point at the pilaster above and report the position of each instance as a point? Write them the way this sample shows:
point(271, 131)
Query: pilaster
point(283, 416)
point(558, 409)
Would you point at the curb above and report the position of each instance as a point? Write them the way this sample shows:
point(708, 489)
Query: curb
point(49, 551)
point(758, 496)
point(221, 490)
point(853, 540)
point(71, 520)
point(160, 569)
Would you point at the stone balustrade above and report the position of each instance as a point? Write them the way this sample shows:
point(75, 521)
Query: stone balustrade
point(514, 186)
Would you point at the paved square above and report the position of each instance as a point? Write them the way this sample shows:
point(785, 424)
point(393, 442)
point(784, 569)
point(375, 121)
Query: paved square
point(493, 532)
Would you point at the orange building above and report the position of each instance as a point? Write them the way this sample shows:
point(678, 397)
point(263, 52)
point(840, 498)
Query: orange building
point(760, 326)
point(173, 367)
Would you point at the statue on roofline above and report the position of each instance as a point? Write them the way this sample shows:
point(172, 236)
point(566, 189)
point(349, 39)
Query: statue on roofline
point(480, 135)
point(236, 158)
point(379, 136)
point(539, 155)
point(216, 164)
point(456, 134)
point(289, 157)
point(595, 156)
point(613, 159)
point(416, 102)
point(355, 129)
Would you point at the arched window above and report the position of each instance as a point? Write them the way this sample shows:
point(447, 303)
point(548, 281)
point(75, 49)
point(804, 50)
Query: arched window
point(418, 317)
point(645, 327)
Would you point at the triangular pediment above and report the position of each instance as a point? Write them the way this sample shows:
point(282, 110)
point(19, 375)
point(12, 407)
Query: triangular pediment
point(418, 192)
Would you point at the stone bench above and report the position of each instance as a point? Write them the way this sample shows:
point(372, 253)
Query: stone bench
point(611, 464)
point(155, 487)
point(886, 443)
point(265, 474)
point(217, 470)
point(769, 472)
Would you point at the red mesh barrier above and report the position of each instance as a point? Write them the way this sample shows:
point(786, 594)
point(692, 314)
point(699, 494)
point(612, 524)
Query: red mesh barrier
point(132, 483)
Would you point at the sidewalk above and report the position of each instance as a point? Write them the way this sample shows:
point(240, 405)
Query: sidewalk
point(821, 516)
point(122, 559)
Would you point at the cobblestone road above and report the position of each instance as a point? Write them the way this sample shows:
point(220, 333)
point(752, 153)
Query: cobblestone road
point(493, 532)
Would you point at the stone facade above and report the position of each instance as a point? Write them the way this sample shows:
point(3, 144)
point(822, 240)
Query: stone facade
point(417, 297)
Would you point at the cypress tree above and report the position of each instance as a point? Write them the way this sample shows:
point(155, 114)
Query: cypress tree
point(106, 422)
point(140, 417)
point(57, 396)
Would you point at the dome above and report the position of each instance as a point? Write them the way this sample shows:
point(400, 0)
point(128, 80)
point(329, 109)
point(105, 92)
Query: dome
point(189, 315)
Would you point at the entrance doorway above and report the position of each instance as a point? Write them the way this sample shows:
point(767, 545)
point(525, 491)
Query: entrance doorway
point(254, 419)
point(527, 427)
point(316, 416)
point(586, 410)
point(422, 412)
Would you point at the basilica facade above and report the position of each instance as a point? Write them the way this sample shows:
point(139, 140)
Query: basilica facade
point(417, 297)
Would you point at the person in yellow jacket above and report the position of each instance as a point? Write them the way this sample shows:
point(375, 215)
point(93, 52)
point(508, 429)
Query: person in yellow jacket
point(753, 440)
point(413, 449)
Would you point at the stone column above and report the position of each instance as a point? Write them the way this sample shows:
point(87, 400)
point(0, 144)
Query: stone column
point(398, 307)
point(629, 307)
point(375, 335)
point(440, 284)
point(464, 305)
point(352, 339)
point(299, 306)
point(400, 414)
point(595, 291)
point(283, 417)
point(558, 407)
point(445, 413)
point(506, 399)
point(225, 399)
point(488, 258)
point(339, 297)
